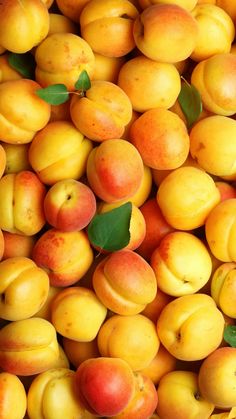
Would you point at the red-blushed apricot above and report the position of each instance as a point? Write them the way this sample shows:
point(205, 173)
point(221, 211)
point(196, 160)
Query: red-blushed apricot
point(110, 174)
point(161, 138)
point(186, 196)
point(227, 191)
point(131, 338)
point(13, 398)
point(52, 394)
point(189, 319)
point(215, 80)
point(124, 282)
point(66, 256)
point(58, 152)
point(219, 366)
point(179, 395)
point(22, 112)
point(156, 228)
point(33, 17)
point(28, 346)
point(144, 401)
point(105, 385)
point(220, 230)
point(69, 205)
point(215, 24)
point(213, 146)
point(24, 288)
point(75, 307)
point(160, 30)
point(159, 81)
point(77, 352)
point(103, 112)
point(21, 208)
point(17, 245)
point(182, 264)
point(109, 18)
point(61, 57)
point(163, 363)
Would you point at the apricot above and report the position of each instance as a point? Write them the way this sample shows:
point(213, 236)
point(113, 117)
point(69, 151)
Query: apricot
point(13, 399)
point(223, 288)
point(58, 152)
point(78, 351)
point(61, 57)
point(109, 18)
point(71, 8)
point(160, 30)
point(186, 4)
point(131, 338)
point(17, 245)
point(163, 363)
point(45, 312)
point(215, 80)
point(7, 72)
point(161, 138)
point(186, 197)
point(110, 174)
point(228, 6)
point(60, 23)
point(66, 256)
point(154, 308)
point(107, 68)
point(103, 112)
point(22, 112)
point(28, 346)
point(124, 282)
point(159, 81)
point(77, 313)
point(16, 157)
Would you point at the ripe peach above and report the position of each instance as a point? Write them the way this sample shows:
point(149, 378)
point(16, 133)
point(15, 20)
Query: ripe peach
point(182, 264)
point(13, 399)
point(108, 18)
point(220, 230)
point(77, 352)
point(61, 57)
point(215, 24)
point(69, 205)
point(186, 197)
point(105, 385)
point(107, 68)
point(215, 80)
point(131, 338)
point(59, 151)
point(144, 401)
point(124, 282)
point(24, 288)
point(156, 228)
point(110, 174)
point(7, 72)
point(187, 320)
point(217, 378)
point(163, 363)
point(33, 16)
point(21, 209)
point(161, 138)
point(22, 112)
point(159, 81)
point(17, 245)
point(28, 346)
point(45, 396)
point(66, 256)
point(161, 28)
point(77, 313)
point(103, 112)
point(223, 288)
point(16, 156)
point(212, 145)
point(178, 395)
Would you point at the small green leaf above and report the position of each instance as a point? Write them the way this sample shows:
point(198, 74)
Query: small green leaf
point(110, 230)
point(230, 335)
point(55, 94)
point(190, 102)
point(23, 63)
point(83, 83)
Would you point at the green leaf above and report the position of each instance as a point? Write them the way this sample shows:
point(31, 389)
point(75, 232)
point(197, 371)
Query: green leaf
point(55, 94)
point(23, 63)
point(230, 335)
point(110, 230)
point(190, 101)
point(83, 83)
